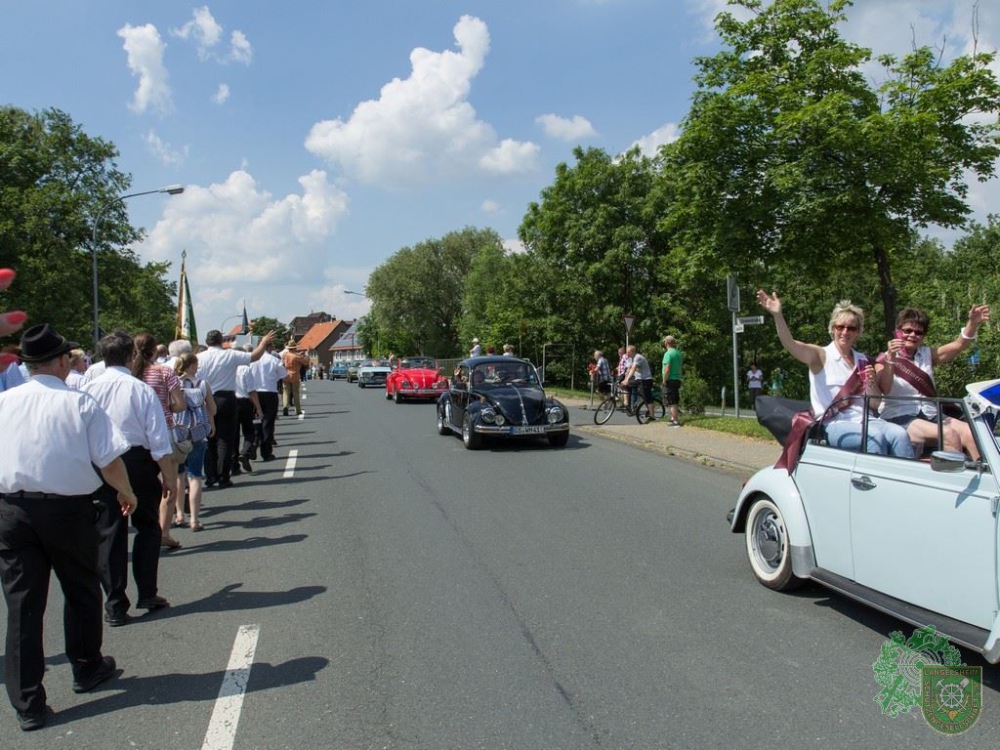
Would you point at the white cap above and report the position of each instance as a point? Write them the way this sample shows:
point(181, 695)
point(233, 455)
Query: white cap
point(475, 341)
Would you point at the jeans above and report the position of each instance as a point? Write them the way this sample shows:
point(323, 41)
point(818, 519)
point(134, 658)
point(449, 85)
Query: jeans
point(884, 437)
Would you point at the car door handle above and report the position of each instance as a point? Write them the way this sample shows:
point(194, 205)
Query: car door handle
point(863, 483)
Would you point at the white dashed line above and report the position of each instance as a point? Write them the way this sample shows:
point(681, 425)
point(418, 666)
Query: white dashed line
point(221, 732)
point(290, 464)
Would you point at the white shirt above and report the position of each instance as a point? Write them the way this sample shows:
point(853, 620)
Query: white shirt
point(268, 371)
point(891, 409)
point(135, 408)
point(74, 380)
point(826, 384)
point(11, 378)
point(52, 436)
point(94, 371)
point(245, 381)
point(217, 366)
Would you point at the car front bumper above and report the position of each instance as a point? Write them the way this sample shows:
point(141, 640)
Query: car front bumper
point(516, 430)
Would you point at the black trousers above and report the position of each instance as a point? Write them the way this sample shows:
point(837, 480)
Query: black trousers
point(38, 536)
point(244, 418)
point(222, 447)
point(144, 476)
point(268, 405)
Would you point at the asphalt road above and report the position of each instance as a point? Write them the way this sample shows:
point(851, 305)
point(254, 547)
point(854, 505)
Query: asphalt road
point(393, 590)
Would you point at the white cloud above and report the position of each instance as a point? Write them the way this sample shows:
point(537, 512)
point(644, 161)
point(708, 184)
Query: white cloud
point(166, 153)
point(650, 144)
point(222, 94)
point(237, 234)
point(239, 48)
point(514, 246)
point(490, 206)
point(203, 29)
point(423, 128)
point(567, 130)
point(145, 49)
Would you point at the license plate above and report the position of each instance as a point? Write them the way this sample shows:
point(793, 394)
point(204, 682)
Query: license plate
point(527, 430)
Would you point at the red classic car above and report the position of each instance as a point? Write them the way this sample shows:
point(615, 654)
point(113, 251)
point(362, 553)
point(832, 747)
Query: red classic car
point(415, 378)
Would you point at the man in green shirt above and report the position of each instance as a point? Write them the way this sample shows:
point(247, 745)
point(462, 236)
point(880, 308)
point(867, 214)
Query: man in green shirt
point(672, 361)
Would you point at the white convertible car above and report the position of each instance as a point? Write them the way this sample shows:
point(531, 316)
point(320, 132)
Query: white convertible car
point(917, 539)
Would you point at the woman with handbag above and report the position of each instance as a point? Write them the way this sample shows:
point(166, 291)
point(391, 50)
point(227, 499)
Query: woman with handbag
point(186, 367)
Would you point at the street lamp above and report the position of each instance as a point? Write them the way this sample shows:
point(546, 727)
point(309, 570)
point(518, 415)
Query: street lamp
point(348, 291)
point(169, 189)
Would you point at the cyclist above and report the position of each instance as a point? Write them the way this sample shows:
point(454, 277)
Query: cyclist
point(641, 371)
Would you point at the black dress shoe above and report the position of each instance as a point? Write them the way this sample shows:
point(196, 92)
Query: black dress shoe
point(153, 602)
point(116, 620)
point(284, 412)
point(225, 484)
point(29, 721)
point(104, 672)
point(236, 471)
point(245, 461)
point(211, 482)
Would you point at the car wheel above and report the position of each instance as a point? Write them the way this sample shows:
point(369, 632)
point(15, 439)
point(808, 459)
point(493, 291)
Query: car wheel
point(470, 439)
point(387, 394)
point(443, 428)
point(397, 397)
point(768, 546)
point(558, 439)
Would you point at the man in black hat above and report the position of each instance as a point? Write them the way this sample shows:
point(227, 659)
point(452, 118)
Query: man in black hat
point(47, 481)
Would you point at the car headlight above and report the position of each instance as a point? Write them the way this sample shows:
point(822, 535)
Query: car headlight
point(488, 415)
point(499, 419)
point(554, 414)
point(405, 384)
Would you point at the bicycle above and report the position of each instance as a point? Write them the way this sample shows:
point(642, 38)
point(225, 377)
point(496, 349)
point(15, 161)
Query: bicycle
point(643, 412)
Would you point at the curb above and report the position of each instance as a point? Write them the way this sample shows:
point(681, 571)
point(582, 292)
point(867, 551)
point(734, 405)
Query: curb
point(673, 451)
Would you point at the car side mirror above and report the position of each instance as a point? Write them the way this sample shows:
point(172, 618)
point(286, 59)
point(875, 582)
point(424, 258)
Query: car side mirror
point(948, 461)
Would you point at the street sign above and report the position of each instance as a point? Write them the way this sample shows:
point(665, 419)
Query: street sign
point(629, 320)
point(732, 293)
point(738, 328)
point(751, 320)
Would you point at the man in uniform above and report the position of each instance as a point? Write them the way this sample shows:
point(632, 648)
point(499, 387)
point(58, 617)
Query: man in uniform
point(55, 437)
point(135, 409)
point(268, 372)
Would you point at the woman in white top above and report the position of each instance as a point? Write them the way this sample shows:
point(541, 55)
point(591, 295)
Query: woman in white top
point(830, 367)
point(907, 369)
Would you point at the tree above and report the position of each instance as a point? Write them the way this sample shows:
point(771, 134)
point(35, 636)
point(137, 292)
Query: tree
point(54, 179)
point(417, 293)
point(789, 156)
point(261, 325)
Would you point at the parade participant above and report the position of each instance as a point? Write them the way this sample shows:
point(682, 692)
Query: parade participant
point(54, 437)
point(838, 376)
point(268, 372)
point(136, 410)
point(906, 368)
point(218, 368)
point(293, 360)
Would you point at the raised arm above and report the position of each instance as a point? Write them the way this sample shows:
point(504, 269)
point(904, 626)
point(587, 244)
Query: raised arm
point(978, 315)
point(809, 354)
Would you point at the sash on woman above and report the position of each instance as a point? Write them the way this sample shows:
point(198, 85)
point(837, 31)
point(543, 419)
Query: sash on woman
point(803, 420)
point(907, 370)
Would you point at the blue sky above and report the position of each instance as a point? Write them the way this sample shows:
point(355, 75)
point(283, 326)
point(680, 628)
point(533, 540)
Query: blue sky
point(316, 138)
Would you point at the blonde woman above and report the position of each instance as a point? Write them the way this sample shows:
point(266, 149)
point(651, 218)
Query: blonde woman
point(186, 367)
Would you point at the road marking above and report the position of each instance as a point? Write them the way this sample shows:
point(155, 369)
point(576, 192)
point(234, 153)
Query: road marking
point(290, 464)
point(226, 716)
point(302, 415)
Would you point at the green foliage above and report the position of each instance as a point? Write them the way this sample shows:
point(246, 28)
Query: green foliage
point(262, 324)
point(695, 393)
point(417, 295)
point(55, 181)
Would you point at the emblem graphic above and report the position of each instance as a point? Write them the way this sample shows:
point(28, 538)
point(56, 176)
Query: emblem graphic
point(899, 668)
point(952, 697)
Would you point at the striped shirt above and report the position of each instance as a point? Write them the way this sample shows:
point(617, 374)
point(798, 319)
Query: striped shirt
point(162, 380)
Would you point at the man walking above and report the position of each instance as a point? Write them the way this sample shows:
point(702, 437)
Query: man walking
point(602, 373)
point(217, 366)
point(247, 412)
point(294, 361)
point(135, 410)
point(54, 437)
point(673, 358)
point(268, 372)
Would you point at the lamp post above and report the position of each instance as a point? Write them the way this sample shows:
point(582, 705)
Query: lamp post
point(169, 189)
point(231, 317)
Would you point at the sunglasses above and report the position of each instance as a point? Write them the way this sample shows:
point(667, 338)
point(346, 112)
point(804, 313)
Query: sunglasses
point(911, 331)
point(842, 327)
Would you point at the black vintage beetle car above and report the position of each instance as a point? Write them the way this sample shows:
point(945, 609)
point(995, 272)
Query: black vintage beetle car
point(500, 397)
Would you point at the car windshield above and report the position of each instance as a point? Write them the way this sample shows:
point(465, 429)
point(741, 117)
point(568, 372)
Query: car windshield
point(500, 374)
point(413, 363)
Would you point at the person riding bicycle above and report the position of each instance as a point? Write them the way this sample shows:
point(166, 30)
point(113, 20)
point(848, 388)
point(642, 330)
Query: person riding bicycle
point(641, 371)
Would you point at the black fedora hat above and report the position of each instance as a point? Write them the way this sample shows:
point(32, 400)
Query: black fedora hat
point(41, 343)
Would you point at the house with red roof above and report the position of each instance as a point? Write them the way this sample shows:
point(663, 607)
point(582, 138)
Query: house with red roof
point(316, 342)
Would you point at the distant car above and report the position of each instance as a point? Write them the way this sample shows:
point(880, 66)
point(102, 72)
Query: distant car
point(500, 397)
point(373, 372)
point(352, 371)
point(338, 370)
point(415, 378)
point(914, 538)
